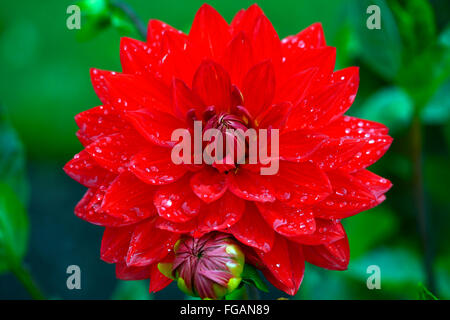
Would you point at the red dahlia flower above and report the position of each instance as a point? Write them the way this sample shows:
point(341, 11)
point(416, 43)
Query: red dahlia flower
point(240, 76)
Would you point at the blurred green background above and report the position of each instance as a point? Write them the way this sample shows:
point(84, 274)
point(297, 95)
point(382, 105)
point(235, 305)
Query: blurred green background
point(405, 84)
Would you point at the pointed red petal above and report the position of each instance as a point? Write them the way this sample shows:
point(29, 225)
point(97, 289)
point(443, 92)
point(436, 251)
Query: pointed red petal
point(327, 231)
point(275, 116)
point(137, 57)
point(212, 84)
point(208, 184)
point(285, 265)
point(251, 186)
point(297, 145)
point(259, 88)
point(158, 281)
point(238, 58)
point(349, 197)
point(176, 202)
point(125, 272)
point(115, 243)
point(333, 256)
point(127, 92)
point(266, 43)
point(114, 151)
point(221, 214)
point(89, 210)
point(83, 169)
point(309, 38)
point(288, 221)
point(149, 244)
point(252, 230)
point(299, 184)
point(376, 184)
point(178, 57)
point(153, 165)
point(184, 100)
point(209, 33)
point(128, 196)
point(154, 125)
point(295, 88)
point(245, 20)
point(99, 122)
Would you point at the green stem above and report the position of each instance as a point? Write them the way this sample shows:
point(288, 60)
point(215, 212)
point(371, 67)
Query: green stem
point(131, 14)
point(24, 276)
point(420, 201)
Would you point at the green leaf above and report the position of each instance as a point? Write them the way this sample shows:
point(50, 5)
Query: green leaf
point(390, 106)
point(14, 229)
point(12, 159)
point(237, 294)
point(416, 23)
point(425, 294)
point(94, 18)
point(251, 276)
point(131, 290)
point(381, 48)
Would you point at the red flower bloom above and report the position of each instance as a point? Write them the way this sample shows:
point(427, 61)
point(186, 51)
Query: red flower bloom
point(239, 75)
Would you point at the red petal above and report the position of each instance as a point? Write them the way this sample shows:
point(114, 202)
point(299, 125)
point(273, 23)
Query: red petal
point(158, 281)
point(115, 243)
point(351, 127)
point(209, 32)
point(149, 244)
point(245, 20)
point(327, 231)
point(176, 202)
point(131, 92)
point(295, 88)
point(221, 214)
point(88, 209)
point(125, 272)
point(309, 38)
point(300, 184)
point(376, 184)
point(335, 153)
point(156, 126)
point(99, 122)
point(114, 152)
point(137, 57)
point(275, 116)
point(259, 88)
point(208, 184)
point(333, 256)
point(285, 263)
point(84, 170)
point(288, 221)
point(155, 31)
point(251, 186)
point(182, 227)
point(212, 84)
point(373, 136)
point(238, 58)
point(266, 43)
point(178, 58)
point(252, 230)
point(184, 100)
point(129, 196)
point(298, 60)
point(154, 165)
point(349, 197)
point(297, 145)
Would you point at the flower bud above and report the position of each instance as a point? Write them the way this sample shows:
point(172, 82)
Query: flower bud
point(209, 267)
